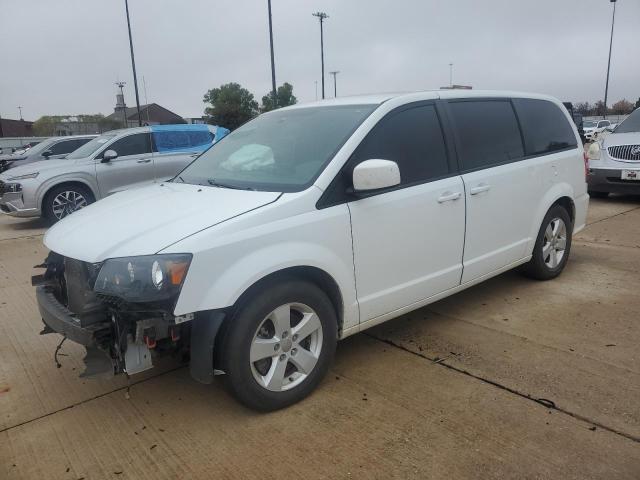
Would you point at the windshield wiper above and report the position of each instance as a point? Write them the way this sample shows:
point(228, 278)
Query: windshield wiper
point(213, 182)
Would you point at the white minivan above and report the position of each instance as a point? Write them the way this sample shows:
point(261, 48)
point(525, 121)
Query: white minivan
point(312, 223)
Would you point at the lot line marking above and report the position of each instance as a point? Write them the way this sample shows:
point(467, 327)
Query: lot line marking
point(548, 404)
point(69, 407)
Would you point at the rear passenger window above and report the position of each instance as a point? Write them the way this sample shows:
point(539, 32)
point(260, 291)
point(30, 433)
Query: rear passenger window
point(413, 139)
point(544, 126)
point(488, 133)
point(136, 144)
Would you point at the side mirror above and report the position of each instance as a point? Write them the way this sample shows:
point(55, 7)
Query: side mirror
point(47, 153)
point(108, 156)
point(375, 175)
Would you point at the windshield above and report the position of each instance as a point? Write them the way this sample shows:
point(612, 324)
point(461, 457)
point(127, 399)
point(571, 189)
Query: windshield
point(589, 124)
point(282, 151)
point(90, 147)
point(630, 124)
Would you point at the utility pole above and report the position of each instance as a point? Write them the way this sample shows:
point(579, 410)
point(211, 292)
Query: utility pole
point(121, 85)
point(451, 75)
point(273, 63)
point(20, 110)
point(321, 16)
point(133, 64)
point(606, 88)
point(335, 83)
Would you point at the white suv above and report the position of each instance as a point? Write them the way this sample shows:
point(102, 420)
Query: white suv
point(312, 223)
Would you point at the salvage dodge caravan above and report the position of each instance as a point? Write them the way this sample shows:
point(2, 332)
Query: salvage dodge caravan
point(312, 223)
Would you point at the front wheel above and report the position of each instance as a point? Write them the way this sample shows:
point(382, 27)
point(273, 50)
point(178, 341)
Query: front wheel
point(279, 344)
point(63, 200)
point(551, 251)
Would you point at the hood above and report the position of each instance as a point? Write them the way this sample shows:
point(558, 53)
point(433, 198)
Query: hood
point(145, 221)
point(31, 167)
point(631, 138)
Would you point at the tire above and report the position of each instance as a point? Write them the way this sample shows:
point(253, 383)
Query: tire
point(258, 331)
point(549, 259)
point(598, 194)
point(76, 196)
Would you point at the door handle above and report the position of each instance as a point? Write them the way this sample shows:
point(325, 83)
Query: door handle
point(483, 187)
point(449, 197)
point(144, 160)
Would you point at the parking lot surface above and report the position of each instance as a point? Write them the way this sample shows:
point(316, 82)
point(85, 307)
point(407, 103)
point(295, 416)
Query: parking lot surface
point(510, 379)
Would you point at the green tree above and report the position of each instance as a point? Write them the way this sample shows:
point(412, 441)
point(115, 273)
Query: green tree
point(45, 126)
point(230, 106)
point(284, 98)
point(600, 109)
point(622, 107)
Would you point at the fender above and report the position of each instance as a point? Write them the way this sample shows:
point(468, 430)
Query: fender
point(557, 191)
point(233, 281)
point(79, 177)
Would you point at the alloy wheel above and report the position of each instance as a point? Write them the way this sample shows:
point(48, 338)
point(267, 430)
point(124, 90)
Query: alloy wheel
point(286, 347)
point(555, 243)
point(67, 202)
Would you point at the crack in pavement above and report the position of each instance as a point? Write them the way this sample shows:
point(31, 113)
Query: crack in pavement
point(612, 216)
point(540, 401)
point(87, 400)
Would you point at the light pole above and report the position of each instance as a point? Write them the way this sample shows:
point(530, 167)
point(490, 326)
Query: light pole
point(606, 88)
point(321, 16)
point(335, 84)
point(273, 63)
point(133, 64)
point(451, 75)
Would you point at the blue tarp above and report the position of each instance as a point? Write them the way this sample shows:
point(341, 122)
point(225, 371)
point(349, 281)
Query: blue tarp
point(185, 138)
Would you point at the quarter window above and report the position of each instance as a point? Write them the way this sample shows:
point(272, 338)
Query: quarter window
point(136, 144)
point(544, 126)
point(488, 133)
point(413, 139)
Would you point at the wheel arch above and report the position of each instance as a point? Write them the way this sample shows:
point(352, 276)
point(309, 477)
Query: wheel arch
point(49, 187)
point(315, 275)
point(560, 194)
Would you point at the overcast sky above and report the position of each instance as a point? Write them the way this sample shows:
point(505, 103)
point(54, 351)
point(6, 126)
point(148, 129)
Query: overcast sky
point(63, 56)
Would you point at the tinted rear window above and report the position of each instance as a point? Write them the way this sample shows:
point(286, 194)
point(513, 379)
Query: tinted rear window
point(544, 126)
point(487, 131)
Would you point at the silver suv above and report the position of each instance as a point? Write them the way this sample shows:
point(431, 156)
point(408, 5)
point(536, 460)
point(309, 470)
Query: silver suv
point(114, 161)
point(614, 161)
point(51, 148)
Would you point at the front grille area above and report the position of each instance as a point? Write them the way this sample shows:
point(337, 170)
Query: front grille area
point(629, 153)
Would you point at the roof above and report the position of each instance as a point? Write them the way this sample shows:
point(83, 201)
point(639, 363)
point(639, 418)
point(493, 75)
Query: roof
point(378, 99)
point(156, 113)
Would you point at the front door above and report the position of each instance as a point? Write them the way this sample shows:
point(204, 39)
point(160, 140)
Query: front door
point(132, 168)
point(407, 242)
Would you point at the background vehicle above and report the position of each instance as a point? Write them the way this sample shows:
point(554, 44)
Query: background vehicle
point(51, 148)
point(312, 223)
point(110, 163)
point(614, 162)
point(593, 127)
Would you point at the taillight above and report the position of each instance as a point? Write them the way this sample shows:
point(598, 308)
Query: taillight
point(586, 165)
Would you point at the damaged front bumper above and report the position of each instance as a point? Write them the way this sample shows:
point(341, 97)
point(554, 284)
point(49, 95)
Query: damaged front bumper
point(119, 336)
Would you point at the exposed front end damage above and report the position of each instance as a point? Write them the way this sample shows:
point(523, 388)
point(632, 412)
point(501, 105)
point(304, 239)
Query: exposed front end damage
point(120, 336)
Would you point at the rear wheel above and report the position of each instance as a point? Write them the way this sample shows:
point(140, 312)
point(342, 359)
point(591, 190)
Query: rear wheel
point(63, 200)
point(553, 244)
point(279, 344)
